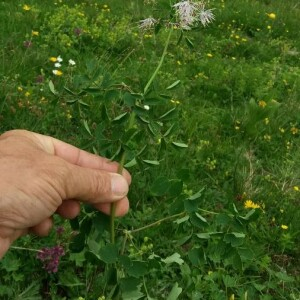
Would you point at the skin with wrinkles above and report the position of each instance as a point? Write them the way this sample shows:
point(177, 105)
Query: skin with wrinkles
point(40, 176)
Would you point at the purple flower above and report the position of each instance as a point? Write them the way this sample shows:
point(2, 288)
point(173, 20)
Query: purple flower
point(50, 257)
point(60, 230)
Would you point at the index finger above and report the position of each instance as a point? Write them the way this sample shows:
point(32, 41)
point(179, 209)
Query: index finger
point(75, 155)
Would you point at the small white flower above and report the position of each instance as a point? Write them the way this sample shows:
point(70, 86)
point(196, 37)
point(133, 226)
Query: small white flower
point(57, 65)
point(59, 59)
point(147, 107)
point(206, 17)
point(147, 24)
point(72, 62)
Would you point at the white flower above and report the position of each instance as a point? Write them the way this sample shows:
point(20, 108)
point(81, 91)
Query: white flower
point(72, 62)
point(147, 24)
point(206, 17)
point(59, 59)
point(189, 13)
point(147, 107)
point(57, 65)
point(186, 12)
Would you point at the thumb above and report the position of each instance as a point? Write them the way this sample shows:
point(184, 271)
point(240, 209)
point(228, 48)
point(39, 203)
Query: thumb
point(94, 186)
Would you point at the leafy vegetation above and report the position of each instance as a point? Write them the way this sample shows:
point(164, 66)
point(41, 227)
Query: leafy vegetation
point(206, 120)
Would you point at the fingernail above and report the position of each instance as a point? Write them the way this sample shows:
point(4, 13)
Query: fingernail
point(119, 185)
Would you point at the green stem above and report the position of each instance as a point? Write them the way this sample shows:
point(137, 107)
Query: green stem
point(159, 64)
point(157, 222)
point(130, 125)
point(22, 248)
point(120, 171)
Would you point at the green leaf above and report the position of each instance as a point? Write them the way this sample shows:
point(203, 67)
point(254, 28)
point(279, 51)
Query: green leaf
point(169, 114)
point(175, 188)
point(198, 220)
point(83, 103)
point(180, 145)
point(86, 126)
point(190, 206)
point(197, 256)
point(109, 253)
point(52, 88)
point(69, 279)
point(151, 162)
point(169, 131)
point(134, 268)
point(174, 258)
point(234, 238)
point(160, 186)
point(197, 195)
point(154, 128)
point(284, 277)
point(189, 42)
point(68, 91)
point(78, 243)
point(130, 163)
point(144, 120)
point(10, 263)
point(173, 85)
point(229, 281)
point(131, 288)
point(129, 99)
point(120, 117)
point(201, 218)
point(175, 292)
point(204, 235)
point(182, 220)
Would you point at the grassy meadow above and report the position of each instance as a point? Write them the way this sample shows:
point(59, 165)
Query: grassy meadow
point(209, 120)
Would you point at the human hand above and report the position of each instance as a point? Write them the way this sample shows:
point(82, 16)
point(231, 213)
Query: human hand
point(40, 176)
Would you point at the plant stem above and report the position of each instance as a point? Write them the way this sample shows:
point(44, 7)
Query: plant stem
point(120, 171)
point(159, 64)
point(157, 222)
point(28, 249)
point(130, 125)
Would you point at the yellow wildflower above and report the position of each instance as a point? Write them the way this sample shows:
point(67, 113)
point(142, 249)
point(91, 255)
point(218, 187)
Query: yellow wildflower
point(34, 33)
point(262, 103)
point(26, 7)
point(250, 204)
point(53, 59)
point(294, 130)
point(272, 16)
point(296, 188)
point(209, 55)
point(284, 227)
point(269, 27)
point(20, 89)
point(57, 72)
point(27, 94)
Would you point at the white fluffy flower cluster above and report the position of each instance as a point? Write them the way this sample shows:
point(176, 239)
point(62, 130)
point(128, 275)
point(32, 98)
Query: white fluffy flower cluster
point(190, 13)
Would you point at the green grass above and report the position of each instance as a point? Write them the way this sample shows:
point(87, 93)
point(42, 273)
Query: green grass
point(238, 110)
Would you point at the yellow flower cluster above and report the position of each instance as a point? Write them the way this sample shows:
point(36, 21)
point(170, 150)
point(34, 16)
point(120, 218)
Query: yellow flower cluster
point(250, 204)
